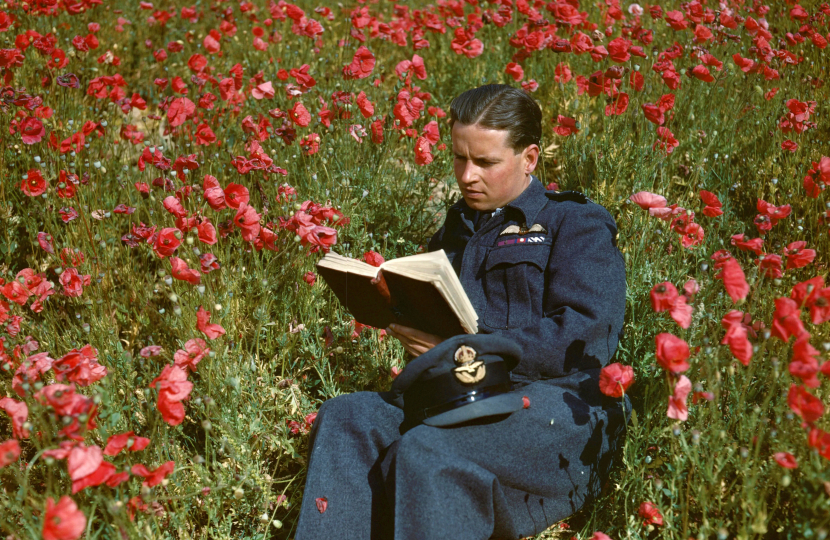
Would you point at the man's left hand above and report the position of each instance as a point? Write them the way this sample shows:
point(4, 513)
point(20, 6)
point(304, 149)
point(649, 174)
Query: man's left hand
point(414, 341)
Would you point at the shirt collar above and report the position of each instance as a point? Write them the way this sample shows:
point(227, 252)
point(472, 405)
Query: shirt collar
point(530, 202)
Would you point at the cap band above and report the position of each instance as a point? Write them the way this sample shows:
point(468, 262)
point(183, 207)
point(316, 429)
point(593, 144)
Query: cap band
point(472, 397)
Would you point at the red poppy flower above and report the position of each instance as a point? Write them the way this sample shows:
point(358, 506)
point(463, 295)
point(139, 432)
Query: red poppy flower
point(32, 130)
point(736, 336)
point(615, 379)
point(515, 71)
point(650, 513)
point(9, 452)
point(73, 282)
point(203, 324)
point(797, 256)
point(247, 219)
point(80, 366)
point(755, 245)
point(169, 238)
point(567, 126)
point(618, 50)
point(180, 110)
point(310, 278)
point(672, 352)
point(63, 521)
point(173, 387)
point(804, 404)
point(322, 503)
point(362, 64)
point(804, 364)
point(128, 440)
point(204, 135)
point(19, 413)
point(374, 258)
point(786, 460)
point(466, 43)
point(663, 296)
point(194, 351)
point(182, 272)
point(423, 151)
point(33, 183)
point(299, 114)
point(618, 105)
point(734, 279)
point(367, 109)
point(666, 140)
point(786, 319)
point(562, 73)
point(209, 262)
point(677, 401)
point(154, 477)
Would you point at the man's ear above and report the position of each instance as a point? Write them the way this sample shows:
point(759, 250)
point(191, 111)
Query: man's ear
point(530, 158)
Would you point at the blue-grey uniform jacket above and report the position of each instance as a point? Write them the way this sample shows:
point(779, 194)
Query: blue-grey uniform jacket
point(547, 273)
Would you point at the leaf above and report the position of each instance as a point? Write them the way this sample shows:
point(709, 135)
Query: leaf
point(634, 419)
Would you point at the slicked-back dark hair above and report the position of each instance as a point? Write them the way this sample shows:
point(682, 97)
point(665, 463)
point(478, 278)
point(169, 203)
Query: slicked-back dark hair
point(499, 106)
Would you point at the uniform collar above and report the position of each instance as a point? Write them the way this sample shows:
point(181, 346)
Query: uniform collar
point(529, 203)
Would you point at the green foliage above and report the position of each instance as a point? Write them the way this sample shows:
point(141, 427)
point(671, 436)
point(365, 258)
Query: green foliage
point(289, 346)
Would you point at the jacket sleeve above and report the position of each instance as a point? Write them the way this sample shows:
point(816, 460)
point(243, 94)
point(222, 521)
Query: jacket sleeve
point(584, 304)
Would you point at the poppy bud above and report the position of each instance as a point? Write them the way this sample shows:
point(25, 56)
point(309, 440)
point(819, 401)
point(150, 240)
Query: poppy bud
point(238, 493)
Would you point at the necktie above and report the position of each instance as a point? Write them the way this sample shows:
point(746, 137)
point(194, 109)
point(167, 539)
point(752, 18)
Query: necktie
point(483, 218)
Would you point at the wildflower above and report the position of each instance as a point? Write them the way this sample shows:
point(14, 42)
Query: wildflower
point(194, 351)
point(373, 258)
point(9, 452)
point(19, 412)
point(128, 440)
point(173, 387)
point(63, 521)
point(646, 200)
point(79, 366)
point(74, 283)
point(203, 324)
point(567, 126)
point(736, 336)
point(650, 514)
point(615, 379)
point(672, 353)
point(154, 477)
point(677, 401)
point(362, 64)
point(33, 183)
point(804, 404)
point(786, 460)
point(734, 280)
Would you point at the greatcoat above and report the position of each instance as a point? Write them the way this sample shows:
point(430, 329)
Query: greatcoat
point(544, 271)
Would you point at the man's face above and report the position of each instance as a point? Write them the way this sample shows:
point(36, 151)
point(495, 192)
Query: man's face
point(489, 173)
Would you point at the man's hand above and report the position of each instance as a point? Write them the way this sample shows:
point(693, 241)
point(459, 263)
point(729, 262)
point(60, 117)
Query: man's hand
point(414, 341)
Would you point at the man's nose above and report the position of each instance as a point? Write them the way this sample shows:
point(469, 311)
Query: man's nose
point(470, 173)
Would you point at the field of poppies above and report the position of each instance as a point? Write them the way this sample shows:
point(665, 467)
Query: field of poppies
point(171, 172)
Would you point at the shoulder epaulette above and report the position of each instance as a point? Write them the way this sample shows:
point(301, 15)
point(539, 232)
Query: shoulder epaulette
point(575, 196)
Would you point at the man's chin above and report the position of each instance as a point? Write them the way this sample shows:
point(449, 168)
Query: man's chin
point(479, 204)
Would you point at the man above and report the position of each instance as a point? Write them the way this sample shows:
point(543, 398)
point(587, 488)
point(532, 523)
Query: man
point(542, 269)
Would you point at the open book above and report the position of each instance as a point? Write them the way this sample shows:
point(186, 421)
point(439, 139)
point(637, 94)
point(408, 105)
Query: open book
point(421, 291)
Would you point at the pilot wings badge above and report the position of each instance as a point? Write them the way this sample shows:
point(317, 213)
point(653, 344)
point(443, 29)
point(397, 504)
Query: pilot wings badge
point(515, 229)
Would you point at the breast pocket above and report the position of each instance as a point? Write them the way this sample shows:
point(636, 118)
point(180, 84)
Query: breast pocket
point(514, 285)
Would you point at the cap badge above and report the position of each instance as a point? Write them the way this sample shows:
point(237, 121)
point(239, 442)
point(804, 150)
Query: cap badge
point(469, 370)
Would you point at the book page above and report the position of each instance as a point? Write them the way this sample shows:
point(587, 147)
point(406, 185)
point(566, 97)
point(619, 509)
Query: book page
point(353, 266)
